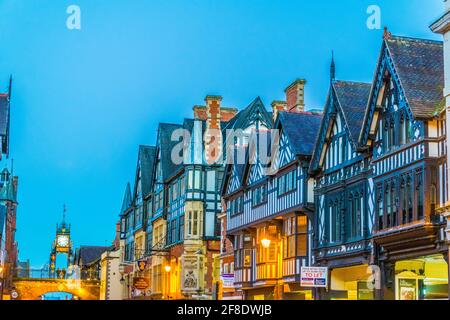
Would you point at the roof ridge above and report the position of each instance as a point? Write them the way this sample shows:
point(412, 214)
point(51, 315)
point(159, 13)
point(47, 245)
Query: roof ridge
point(303, 113)
point(430, 41)
point(352, 82)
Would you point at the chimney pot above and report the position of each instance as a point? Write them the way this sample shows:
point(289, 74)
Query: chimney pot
point(295, 96)
point(213, 138)
point(278, 106)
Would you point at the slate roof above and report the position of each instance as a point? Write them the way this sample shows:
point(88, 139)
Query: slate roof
point(4, 121)
point(147, 159)
point(302, 130)
point(420, 67)
point(169, 169)
point(127, 199)
point(352, 98)
point(89, 254)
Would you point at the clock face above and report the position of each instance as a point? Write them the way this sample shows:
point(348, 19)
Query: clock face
point(63, 241)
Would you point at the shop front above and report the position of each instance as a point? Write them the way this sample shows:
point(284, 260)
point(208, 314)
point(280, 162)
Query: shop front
point(352, 283)
point(424, 278)
point(264, 293)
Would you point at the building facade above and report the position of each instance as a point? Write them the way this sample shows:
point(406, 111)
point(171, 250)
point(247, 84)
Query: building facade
point(8, 204)
point(180, 227)
point(442, 26)
point(268, 204)
point(343, 191)
point(404, 131)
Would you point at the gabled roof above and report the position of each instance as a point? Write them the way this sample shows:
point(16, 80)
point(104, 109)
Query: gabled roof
point(419, 64)
point(166, 145)
point(420, 67)
point(241, 120)
point(147, 159)
point(89, 254)
point(254, 151)
point(352, 97)
point(236, 165)
point(127, 199)
point(301, 129)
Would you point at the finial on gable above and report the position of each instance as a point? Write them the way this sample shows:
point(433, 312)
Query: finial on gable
point(332, 68)
point(10, 88)
point(386, 33)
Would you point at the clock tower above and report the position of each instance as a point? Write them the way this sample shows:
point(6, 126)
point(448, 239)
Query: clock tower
point(62, 245)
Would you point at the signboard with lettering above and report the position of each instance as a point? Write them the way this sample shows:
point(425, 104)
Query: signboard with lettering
point(140, 283)
point(316, 277)
point(227, 280)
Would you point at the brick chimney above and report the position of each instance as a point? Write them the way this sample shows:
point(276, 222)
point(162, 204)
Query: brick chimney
point(213, 134)
point(116, 242)
point(278, 106)
point(295, 96)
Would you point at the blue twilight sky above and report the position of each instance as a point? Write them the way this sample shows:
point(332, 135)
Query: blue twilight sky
point(84, 100)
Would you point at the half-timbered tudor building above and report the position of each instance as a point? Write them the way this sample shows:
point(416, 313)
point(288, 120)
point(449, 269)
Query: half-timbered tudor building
point(182, 230)
point(442, 26)
point(134, 223)
point(405, 133)
point(268, 203)
point(342, 190)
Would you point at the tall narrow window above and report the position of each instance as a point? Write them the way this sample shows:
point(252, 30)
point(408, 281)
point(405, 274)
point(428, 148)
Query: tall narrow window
point(181, 229)
point(394, 204)
point(404, 200)
point(344, 150)
point(335, 219)
point(380, 208)
point(419, 192)
point(402, 130)
point(195, 224)
point(388, 205)
point(410, 196)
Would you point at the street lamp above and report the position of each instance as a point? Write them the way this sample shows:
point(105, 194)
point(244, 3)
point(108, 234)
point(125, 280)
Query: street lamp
point(266, 243)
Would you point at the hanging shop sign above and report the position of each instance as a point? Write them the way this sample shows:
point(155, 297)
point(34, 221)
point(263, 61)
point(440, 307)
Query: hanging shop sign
point(142, 264)
point(316, 277)
point(140, 283)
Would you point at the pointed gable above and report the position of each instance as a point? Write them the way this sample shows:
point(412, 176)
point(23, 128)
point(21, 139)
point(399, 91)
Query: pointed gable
point(165, 146)
point(127, 200)
point(417, 70)
point(420, 68)
point(147, 160)
point(258, 158)
point(255, 114)
point(344, 111)
point(352, 98)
